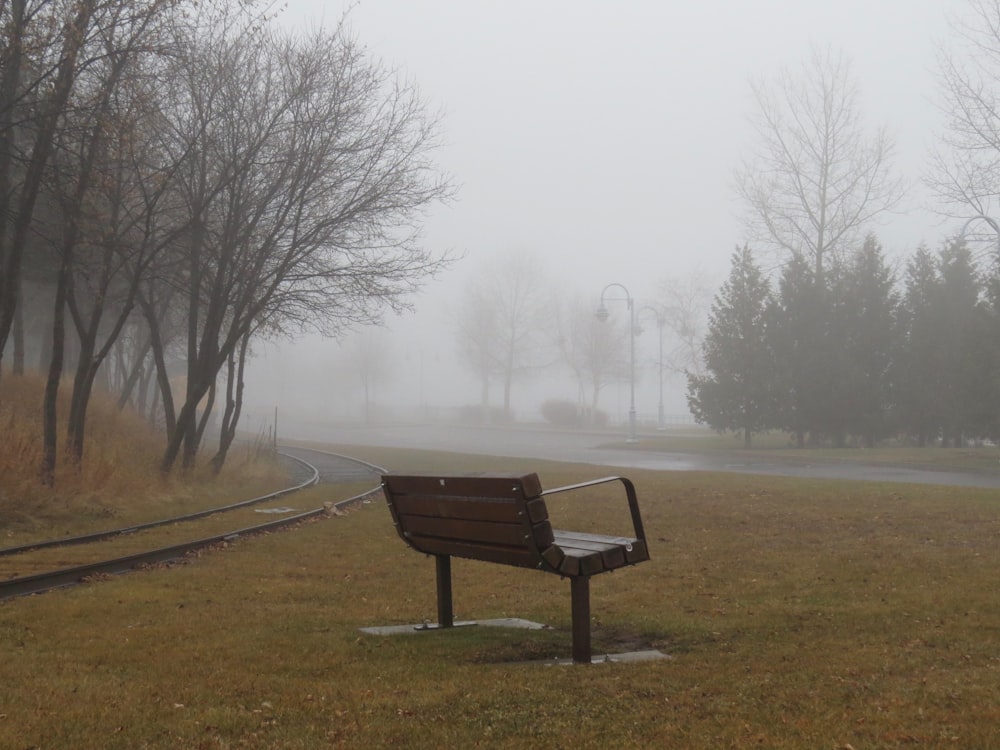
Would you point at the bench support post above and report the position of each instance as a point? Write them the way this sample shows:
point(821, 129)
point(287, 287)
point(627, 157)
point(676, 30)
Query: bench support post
point(580, 603)
point(446, 617)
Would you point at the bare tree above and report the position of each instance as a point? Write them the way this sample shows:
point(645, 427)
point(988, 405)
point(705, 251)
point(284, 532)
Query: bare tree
point(817, 176)
point(235, 369)
point(683, 306)
point(41, 51)
point(371, 360)
point(305, 165)
point(963, 170)
point(476, 339)
point(502, 321)
point(99, 267)
point(595, 351)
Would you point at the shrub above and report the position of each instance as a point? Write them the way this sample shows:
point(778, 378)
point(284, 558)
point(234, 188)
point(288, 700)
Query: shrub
point(562, 413)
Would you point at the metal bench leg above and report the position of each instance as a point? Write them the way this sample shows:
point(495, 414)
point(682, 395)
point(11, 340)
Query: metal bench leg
point(446, 617)
point(580, 602)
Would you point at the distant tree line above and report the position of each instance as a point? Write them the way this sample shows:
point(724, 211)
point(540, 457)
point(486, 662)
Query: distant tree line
point(838, 348)
point(178, 180)
point(858, 356)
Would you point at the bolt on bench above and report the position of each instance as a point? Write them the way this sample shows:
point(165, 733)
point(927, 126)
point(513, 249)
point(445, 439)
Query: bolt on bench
point(504, 519)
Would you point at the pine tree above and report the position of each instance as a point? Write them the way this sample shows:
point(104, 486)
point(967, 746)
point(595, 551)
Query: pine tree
point(964, 385)
point(918, 366)
point(804, 360)
point(737, 393)
point(865, 305)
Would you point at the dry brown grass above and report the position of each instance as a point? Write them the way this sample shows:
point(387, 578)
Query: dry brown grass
point(117, 483)
point(799, 614)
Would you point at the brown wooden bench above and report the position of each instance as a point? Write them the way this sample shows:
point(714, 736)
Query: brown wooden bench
point(504, 519)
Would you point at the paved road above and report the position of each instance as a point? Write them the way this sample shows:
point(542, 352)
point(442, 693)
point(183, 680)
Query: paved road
point(593, 448)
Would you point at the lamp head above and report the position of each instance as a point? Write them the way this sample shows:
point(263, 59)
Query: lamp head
point(602, 313)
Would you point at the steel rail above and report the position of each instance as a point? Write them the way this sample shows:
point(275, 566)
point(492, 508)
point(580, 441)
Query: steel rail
point(40, 582)
point(374, 468)
point(99, 536)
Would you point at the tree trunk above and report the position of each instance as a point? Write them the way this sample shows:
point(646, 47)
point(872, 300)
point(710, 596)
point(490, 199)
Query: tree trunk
point(484, 399)
point(175, 440)
point(82, 383)
point(18, 332)
point(136, 376)
point(159, 360)
point(49, 403)
point(9, 85)
point(155, 402)
point(234, 407)
point(141, 401)
point(206, 417)
point(506, 399)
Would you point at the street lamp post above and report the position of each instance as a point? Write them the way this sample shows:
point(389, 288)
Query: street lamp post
point(602, 315)
point(660, 422)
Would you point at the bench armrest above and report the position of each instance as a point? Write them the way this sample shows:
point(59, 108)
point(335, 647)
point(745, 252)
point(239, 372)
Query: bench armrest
point(633, 502)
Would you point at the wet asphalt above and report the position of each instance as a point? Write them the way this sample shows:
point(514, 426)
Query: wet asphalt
point(609, 449)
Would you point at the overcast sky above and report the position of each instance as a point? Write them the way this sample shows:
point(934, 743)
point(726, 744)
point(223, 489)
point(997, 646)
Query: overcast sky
point(603, 136)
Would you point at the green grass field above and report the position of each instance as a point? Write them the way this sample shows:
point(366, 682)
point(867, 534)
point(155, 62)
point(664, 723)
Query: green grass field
point(797, 614)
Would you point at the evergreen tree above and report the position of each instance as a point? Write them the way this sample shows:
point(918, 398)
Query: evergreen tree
point(865, 323)
point(804, 361)
point(961, 317)
point(919, 370)
point(990, 350)
point(737, 393)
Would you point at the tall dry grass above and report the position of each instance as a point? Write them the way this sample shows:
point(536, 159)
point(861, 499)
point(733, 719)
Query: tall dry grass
point(119, 478)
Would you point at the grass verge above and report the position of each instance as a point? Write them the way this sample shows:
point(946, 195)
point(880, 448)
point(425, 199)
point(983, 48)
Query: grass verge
point(799, 614)
point(117, 484)
point(983, 458)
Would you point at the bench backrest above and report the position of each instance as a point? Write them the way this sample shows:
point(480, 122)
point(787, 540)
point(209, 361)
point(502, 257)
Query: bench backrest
point(497, 518)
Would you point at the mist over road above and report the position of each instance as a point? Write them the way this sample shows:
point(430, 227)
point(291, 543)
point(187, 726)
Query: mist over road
point(599, 449)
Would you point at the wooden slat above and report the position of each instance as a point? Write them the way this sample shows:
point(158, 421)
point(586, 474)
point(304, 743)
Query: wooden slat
point(490, 485)
point(580, 562)
point(474, 532)
point(583, 536)
point(498, 511)
point(542, 534)
point(569, 565)
point(638, 552)
point(612, 554)
point(554, 556)
point(519, 556)
point(537, 511)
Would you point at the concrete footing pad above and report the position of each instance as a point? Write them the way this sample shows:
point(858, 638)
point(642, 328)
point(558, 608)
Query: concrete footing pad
point(630, 657)
point(503, 622)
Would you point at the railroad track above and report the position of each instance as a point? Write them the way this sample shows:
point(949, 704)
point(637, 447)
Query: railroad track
point(45, 565)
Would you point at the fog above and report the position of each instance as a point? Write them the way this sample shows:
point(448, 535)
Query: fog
point(600, 138)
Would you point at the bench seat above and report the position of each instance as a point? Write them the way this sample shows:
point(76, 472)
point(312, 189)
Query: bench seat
point(504, 519)
point(575, 553)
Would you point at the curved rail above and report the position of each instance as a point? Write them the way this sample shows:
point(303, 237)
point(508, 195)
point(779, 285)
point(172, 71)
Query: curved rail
point(98, 536)
point(39, 582)
point(372, 467)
